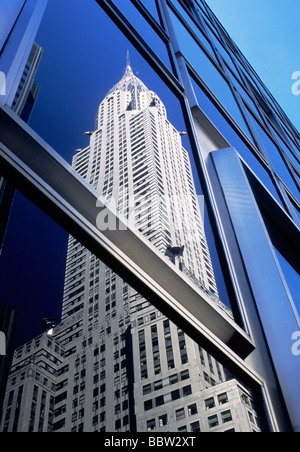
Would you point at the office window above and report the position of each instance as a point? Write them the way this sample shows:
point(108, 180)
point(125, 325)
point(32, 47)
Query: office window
point(210, 403)
point(186, 391)
point(152, 9)
point(180, 414)
point(292, 277)
point(222, 398)
point(173, 379)
point(185, 374)
point(175, 395)
point(159, 400)
point(195, 427)
point(192, 409)
point(226, 416)
point(115, 157)
point(125, 420)
point(251, 417)
point(213, 421)
point(147, 389)
point(197, 29)
point(148, 405)
point(95, 420)
point(158, 385)
point(151, 425)
point(163, 420)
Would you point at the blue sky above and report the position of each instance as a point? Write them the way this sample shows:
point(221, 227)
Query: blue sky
point(84, 56)
point(267, 32)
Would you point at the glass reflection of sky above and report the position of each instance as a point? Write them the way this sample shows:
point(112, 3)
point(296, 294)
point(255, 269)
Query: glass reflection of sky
point(8, 14)
point(292, 279)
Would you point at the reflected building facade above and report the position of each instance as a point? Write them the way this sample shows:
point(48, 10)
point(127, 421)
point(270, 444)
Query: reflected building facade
point(22, 105)
point(123, 365)
point(19, 55)
point(117, 350)
point(28, 88)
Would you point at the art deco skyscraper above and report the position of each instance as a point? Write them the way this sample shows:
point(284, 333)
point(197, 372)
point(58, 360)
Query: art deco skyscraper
point(136, 160)
point(124, 366)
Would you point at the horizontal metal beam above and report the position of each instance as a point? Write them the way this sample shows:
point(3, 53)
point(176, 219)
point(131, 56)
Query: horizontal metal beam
point(42, 175)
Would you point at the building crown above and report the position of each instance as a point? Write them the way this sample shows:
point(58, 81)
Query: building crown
point(129, 81)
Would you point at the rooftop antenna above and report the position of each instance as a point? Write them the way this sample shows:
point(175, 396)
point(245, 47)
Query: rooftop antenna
point(128, 63)
point(128, 59)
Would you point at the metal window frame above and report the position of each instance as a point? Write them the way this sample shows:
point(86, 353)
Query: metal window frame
point(284, 192)
point(140, 44)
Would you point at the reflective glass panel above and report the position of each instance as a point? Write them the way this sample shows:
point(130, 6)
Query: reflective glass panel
point(194, 27)
point(276, 159)
point(292, 278)
point(225, 55)
point(32, 265)
point(287, 151)
point(215, 116)
point(246, 97)
point(209, 73)
point(144, 29)
point(8, 14)
point(152, 8)
point(297, 212)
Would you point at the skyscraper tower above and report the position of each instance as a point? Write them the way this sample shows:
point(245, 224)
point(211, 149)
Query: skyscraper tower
point(136, 160)
point(123, 365)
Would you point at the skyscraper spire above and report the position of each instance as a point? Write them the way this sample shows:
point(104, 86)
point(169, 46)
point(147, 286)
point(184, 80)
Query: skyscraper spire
point(129, 81)
point(128, 64)
point(128, 59)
